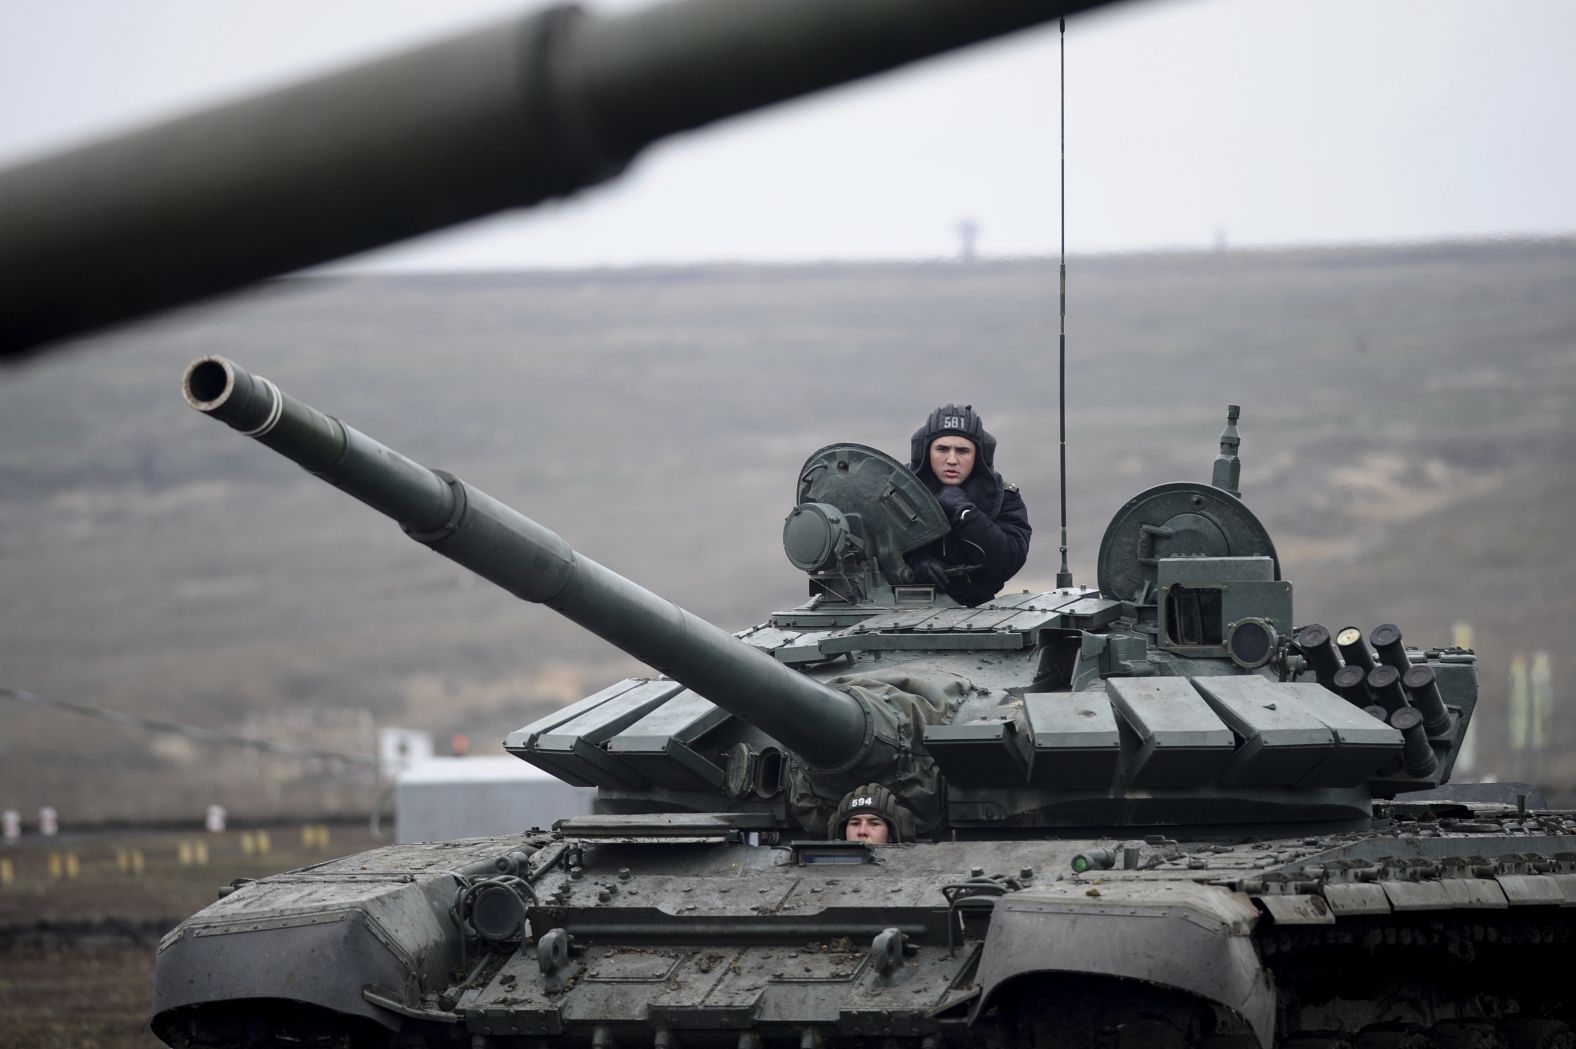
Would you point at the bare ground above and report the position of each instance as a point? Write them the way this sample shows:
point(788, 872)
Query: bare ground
point(77, 955)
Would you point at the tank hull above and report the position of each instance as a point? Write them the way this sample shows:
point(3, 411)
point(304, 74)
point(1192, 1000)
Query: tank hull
point(700, 931)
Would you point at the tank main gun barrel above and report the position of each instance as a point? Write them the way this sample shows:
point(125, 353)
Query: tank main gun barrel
point(825, 727)
point(506, 116)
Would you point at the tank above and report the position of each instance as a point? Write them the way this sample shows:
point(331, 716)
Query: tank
point(1166, 812)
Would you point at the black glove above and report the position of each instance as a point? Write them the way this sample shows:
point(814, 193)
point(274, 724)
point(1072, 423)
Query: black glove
point(930, 570)
point(954, 502)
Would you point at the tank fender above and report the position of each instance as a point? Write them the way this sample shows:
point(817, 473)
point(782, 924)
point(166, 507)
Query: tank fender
point(1190, 937)
point(280, 941)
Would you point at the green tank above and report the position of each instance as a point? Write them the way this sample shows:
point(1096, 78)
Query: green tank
point(1167, 812)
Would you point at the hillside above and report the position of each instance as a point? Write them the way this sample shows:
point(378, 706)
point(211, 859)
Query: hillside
point(1409, 422)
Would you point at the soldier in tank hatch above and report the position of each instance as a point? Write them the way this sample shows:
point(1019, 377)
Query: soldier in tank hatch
point(955, 456)
point(872, 814)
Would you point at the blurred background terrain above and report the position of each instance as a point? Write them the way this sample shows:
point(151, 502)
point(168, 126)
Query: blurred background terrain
point(1409, 422)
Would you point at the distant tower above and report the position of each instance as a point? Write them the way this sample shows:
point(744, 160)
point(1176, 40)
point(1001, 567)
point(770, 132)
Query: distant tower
point(968, 234)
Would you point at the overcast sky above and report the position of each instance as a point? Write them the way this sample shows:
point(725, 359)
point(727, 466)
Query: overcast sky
point(1263, 123)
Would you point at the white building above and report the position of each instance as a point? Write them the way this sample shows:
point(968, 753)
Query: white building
point(439, 798)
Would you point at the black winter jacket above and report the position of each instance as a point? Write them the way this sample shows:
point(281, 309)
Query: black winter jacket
point(993, 535)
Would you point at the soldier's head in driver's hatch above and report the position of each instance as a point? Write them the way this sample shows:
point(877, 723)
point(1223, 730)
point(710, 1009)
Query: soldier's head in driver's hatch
point(873, 814)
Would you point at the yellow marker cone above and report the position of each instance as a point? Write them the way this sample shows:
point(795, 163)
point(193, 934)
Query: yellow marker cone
point(73, 866)
point(262, 843)
point(183, 853)
point(56, 867)
point(122, 861)
point(136, 861)
point(7, 873)
point(248, 842)
point(200, 853)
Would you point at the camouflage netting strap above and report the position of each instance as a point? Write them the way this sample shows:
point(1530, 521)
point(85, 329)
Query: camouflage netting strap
point(902, 704)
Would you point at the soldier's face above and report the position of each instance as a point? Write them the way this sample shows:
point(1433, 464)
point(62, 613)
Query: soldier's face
point(866, 827)
point(952, 459)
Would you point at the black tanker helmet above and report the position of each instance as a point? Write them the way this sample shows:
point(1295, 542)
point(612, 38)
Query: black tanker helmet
point(960, 419)
point(877, 800)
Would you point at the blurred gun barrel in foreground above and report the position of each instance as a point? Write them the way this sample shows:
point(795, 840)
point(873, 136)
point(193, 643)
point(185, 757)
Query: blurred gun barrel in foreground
point(506, 116)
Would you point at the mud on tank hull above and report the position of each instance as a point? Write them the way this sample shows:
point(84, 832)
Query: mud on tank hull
point(1447, 930)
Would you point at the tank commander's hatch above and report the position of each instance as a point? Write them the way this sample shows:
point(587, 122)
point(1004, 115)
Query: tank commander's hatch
point(887, 509)
point(1196, 556)
point(1181, 519)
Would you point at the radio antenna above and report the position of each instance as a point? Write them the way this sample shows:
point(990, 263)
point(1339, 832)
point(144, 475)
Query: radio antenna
point(1064, 576)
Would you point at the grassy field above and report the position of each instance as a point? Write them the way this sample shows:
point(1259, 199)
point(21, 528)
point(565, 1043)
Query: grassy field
point(1409, 421)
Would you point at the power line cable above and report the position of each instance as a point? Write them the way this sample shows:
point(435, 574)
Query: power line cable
point(205, 735)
